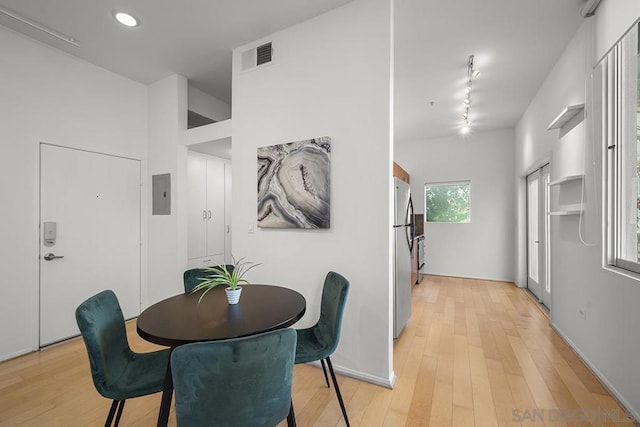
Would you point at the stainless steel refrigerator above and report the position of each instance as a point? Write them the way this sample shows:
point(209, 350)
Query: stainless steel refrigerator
point(403, 231)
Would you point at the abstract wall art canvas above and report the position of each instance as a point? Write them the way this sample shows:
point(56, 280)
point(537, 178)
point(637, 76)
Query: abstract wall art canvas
point(294, 184)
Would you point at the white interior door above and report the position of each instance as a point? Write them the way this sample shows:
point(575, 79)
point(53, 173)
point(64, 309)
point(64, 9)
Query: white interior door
point(533, 233)
point(545, 255)
point(94, 202)
point(538, 249)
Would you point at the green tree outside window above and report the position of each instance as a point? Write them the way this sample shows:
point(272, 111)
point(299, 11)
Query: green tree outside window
point(448, 202)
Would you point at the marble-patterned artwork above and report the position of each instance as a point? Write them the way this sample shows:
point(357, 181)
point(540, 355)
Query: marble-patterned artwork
point(294, 184)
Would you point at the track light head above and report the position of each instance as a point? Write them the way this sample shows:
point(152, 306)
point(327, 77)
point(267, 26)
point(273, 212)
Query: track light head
point(472, 73)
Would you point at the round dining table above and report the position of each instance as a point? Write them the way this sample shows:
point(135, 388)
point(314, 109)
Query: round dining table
point(184, 319)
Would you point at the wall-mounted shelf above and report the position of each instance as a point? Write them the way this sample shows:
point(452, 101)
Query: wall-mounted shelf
point(566, 213)
point(565, 179)
point(566, 115)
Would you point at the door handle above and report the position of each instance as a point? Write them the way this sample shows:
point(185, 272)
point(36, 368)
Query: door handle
point(209, 214)
point(51, 256)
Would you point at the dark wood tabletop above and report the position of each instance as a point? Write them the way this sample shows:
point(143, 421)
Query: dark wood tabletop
point(180, 319)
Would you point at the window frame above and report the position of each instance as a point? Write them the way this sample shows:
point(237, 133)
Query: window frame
point(447, 184)
point(620, 111)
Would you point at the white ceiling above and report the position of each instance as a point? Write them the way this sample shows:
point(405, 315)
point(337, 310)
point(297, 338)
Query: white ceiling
point(193, 38)
point(515, 42)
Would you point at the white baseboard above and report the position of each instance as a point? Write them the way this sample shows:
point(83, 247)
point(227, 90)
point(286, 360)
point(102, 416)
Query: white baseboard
point(16, 354)
point(489, 279)
point(610, 388)
point(384, 382)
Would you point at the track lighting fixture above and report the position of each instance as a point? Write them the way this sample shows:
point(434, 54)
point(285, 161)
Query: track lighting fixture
point(472, 73)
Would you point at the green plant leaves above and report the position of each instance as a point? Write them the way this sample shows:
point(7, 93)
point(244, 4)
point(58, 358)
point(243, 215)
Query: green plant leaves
point(221, 275)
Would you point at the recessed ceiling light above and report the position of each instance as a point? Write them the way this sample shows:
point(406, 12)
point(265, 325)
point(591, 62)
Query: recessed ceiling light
point(125, 18)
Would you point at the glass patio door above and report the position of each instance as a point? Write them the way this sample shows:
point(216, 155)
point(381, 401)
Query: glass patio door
point(538, 251)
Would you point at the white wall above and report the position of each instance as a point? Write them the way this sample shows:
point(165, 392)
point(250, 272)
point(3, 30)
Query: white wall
point(564, 86)
point(482, 248)
point(330, 76)
point(208, 106)
point(607, 337)
point(613, 18)
point(48, 96)
point(168, 233)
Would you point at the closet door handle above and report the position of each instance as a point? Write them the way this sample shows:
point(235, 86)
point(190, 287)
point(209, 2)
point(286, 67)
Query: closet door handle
point(209, 214)
point(204, 215)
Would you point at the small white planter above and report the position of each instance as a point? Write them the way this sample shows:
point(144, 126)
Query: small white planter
point(233, 296)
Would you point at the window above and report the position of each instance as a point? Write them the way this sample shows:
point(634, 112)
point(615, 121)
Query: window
point(448, 202)
point(621, 100)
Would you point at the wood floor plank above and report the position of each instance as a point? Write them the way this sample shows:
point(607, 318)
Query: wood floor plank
point(462, 417)
point(442, 405)
point(420, 408)
point(525, 407)
point(403, 391)
point(535, 382)
point(483, 406)
point(502, 397)
point(462, 391)
point(361, 400)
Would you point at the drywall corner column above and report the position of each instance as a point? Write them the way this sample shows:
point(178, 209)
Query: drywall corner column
point(167, 254)
point(330, 76)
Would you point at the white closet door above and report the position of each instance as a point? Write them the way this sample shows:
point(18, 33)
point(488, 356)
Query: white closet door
point(94, 201)
point(228, 251)
point(215, 207)
point(197, 208)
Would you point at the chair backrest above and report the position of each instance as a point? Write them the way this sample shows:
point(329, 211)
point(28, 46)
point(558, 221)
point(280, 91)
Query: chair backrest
point(191, 277)
point(334, 299)
point(102, 327)
point(237, 382)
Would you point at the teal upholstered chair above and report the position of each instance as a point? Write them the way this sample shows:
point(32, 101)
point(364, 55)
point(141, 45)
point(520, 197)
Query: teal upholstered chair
point(190, 277)
point(236, 382)
point(320, 341)
point(118, 373)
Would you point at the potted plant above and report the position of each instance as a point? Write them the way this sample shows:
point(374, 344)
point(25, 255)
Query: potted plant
point(231, 277)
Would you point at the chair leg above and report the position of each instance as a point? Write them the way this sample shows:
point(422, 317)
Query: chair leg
point(335, 385)
point(324, 371)
point(119, 414)
point(112, 412)
point(291, 418)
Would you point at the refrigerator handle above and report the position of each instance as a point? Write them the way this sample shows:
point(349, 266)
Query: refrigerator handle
point(410, 224)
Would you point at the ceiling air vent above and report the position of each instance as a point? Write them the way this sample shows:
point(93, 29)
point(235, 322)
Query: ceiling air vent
point(257, 56)
point(263, 54)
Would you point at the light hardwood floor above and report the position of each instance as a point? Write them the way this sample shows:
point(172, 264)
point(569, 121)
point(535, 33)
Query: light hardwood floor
point(475, 353)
